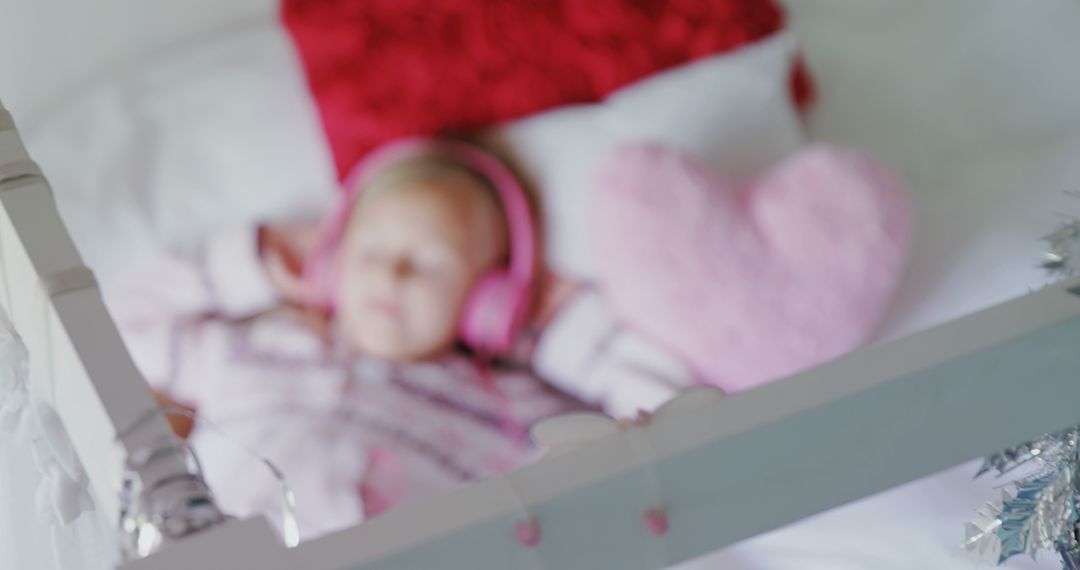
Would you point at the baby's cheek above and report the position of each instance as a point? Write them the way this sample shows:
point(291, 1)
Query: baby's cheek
point(352, 325)
point(431, 319)
point(349, 305)
point(439, 305)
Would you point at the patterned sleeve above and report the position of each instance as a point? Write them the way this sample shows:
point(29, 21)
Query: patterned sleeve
point(587, 353)
point(162, 306)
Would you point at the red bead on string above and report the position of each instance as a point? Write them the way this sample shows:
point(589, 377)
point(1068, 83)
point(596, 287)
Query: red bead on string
point(656, 520)
point(528, 532)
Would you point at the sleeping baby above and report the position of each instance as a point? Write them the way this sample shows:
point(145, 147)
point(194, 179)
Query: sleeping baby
point(386, 354)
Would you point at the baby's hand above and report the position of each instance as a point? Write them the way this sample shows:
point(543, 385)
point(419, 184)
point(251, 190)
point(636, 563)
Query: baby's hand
point(180, 424)
point(284, 249)
point(555, 292)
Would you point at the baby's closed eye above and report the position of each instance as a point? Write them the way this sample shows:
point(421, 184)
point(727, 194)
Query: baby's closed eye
point(435, 261)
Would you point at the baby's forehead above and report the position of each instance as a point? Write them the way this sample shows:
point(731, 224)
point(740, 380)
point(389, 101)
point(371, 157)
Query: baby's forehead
point(451, 192)
point(421, 202)
point(454, 213)
point(423, 172)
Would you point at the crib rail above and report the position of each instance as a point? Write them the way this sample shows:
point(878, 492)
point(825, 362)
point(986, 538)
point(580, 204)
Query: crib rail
point(877, 418)
point(33, 243)
point(78, 363)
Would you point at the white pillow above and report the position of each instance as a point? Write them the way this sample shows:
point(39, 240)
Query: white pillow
point(218, 133)
point(733, 111)
point(224, 132)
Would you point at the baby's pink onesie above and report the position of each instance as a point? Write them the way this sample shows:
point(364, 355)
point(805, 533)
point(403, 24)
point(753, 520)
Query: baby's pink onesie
point(352, 435)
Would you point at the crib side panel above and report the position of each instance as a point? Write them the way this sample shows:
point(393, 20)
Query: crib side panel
point(78, 363)
point(754, 462)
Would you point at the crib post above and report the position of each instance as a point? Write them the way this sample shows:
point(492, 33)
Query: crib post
point(77, 362)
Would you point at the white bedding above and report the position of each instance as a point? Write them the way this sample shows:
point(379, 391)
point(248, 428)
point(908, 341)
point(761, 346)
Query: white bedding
point(976, 103)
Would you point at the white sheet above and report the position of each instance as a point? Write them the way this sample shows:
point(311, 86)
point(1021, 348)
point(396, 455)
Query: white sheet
point(976, 103)
point(915, 526)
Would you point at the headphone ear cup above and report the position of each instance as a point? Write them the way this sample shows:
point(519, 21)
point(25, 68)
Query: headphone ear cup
point(495, 312)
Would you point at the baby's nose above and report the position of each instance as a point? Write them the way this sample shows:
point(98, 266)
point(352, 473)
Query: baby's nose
point(400, 269)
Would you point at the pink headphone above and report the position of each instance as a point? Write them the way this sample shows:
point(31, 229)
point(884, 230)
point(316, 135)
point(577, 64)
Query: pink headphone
point(499, 304)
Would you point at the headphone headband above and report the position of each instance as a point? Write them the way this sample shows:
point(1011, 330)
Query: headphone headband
point(511, 196)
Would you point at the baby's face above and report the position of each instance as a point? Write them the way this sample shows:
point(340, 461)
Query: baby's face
point(409, 259)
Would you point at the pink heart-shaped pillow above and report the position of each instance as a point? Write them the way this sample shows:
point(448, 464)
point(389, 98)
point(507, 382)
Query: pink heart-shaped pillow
point(750, 282)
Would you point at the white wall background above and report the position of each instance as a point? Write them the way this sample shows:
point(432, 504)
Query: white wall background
point(49, 49)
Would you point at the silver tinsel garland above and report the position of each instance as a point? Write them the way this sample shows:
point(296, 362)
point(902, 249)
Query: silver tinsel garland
point(1042, 512)
point(1059, 257)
